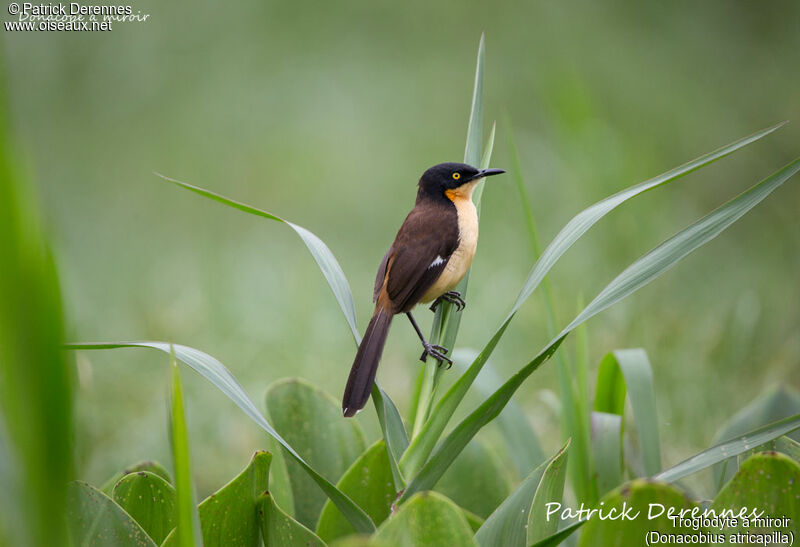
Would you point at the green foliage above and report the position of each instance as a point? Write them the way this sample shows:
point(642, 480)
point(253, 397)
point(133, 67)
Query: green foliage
point(776, 403)
point(429, 519)
point(187, 520)
point(637, 495)
point(149, 500)
point(36, 384)
point(767, 481)
point(368, 482)
point(311, 422)
point(150, 466)
point(508, 524)
point(94, 519)
point(228, 516)
point(280, 530)
point(478, 480)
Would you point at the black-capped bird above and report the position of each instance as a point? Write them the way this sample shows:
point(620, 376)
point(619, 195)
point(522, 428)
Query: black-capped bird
point(430, 255)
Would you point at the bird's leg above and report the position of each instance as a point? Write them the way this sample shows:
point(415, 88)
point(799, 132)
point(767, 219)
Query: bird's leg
point(435, 351)
point(454, 297)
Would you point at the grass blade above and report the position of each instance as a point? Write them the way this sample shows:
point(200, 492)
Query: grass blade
point(322, 255)
point(216, 373)
point(734, 447)
point(422, 445)
point(187, 519)
point(447, 319)
point(629, 370)
point(638, 274)
point(36, 380)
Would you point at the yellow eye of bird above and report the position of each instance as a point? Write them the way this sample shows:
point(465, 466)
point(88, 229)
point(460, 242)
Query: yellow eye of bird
point(456, 176)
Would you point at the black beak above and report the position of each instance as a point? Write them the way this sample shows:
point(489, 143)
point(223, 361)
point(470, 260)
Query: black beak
point(487, 173)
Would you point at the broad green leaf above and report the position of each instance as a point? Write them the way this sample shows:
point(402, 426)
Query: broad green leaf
point(94, 519)
point(637, 275)
point(148, 465)
point(279, 484)
point(322, 255)
point(280, 530)
point(478, 480)
point(629, 370)
point(428, 519)
point(36, 377)
point(550, 489)
point(311, 422)
point(646, 502)
point(216, 373)
point(521, 441)
point(187, 522)
point(776, 403)
point(507, 524)
point(228, 517)
point(607, 450)
point(728, 449)
point(149, 500)
point(475, 522)
point(423, 444)
point(369, 483)
point(768, 482)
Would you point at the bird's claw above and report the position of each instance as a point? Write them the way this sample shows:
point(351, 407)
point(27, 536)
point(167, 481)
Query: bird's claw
point(437, 352)
point(454, 297)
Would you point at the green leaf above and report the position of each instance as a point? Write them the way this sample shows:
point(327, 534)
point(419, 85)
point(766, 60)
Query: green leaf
point(422, 445)
point(607, 450)
point(280, 530)
point(638, 496)
point(637, 275)
point(388, 414)
point(776, 403)
point(560, 536)
point(311, 421)
point(768, 482)
point(369, 483)
point(36, 377)
point(394, 433)
point(507, 525)
point(629, 370)
point(550, 489)
point(228, 517)
point(478, 480)
point(148, 465)
point(428, 519)
point(94, 519)
point(521, 441)
point(784, 445)
point(728, 449)
point(216, 373)
point(322, 255)
point(187, 520)
point(149, 500)
point(447, 318)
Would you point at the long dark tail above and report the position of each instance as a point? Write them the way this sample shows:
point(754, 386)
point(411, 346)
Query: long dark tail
point(365, 365)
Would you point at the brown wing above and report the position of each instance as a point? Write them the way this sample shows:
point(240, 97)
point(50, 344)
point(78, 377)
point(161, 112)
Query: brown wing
point(419, 254)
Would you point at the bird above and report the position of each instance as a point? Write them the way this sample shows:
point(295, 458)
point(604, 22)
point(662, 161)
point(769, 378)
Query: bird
point(431, 253)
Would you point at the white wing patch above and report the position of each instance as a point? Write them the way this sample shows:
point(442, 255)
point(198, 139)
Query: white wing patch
point(439, 260)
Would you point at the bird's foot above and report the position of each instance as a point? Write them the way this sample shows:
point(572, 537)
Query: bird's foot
point(454, 297)
point(437, 352)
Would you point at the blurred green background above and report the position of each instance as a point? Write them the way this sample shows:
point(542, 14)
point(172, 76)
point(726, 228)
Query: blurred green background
point(326, 114)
